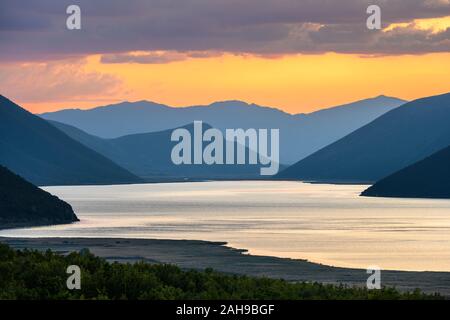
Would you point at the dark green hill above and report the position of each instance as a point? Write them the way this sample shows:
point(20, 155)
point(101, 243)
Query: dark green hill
point(43, 155)
point(429, 178)
point(23, 204)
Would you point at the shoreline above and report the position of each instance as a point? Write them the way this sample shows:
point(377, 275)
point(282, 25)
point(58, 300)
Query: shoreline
point(24, 225)
point(200, 255)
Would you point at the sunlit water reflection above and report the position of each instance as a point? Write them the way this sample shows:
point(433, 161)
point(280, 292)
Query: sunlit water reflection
point(329, 224)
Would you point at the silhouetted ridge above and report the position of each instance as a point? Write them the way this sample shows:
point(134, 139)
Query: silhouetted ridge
point(429, 178)
point(395, 140)
point(23, 204)
point(300, 135)
point(43, 155)
point(148, 155)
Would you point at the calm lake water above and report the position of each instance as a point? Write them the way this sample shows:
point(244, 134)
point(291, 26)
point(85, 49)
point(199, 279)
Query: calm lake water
point(329, 224)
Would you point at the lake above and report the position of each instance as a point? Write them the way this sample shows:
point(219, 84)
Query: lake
point(329, 224)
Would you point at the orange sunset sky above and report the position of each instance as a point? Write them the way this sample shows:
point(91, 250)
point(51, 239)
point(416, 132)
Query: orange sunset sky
point(297, 83)
point(301, 80)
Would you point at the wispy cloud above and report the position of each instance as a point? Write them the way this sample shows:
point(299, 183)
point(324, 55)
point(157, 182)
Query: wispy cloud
point(55, 81)
point(155, 57)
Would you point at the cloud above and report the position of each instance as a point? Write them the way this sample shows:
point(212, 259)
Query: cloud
point(406, 39)
point(155, 57)
point(33, 30)
point(437, 3)
point(410, 39)
point(55, 81)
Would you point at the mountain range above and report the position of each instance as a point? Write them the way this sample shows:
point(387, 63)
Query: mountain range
point(300, 134)
point(23, 204)
point(390, 143)
point(148, 155)
point(43, 155)
point(405, 148)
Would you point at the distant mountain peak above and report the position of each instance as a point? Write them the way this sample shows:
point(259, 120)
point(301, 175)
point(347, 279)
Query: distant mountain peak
point(373, 103)
point(141, 104)
point(228, 103)
point(385, 97)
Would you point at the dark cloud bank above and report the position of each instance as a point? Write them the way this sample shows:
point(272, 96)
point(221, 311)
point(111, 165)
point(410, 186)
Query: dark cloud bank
point(35, 29)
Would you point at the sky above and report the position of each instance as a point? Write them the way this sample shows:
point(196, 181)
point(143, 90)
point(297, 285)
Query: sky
point(296, 55)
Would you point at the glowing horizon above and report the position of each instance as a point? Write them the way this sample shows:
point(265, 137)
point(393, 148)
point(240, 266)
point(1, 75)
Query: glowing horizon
point(294, 83)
